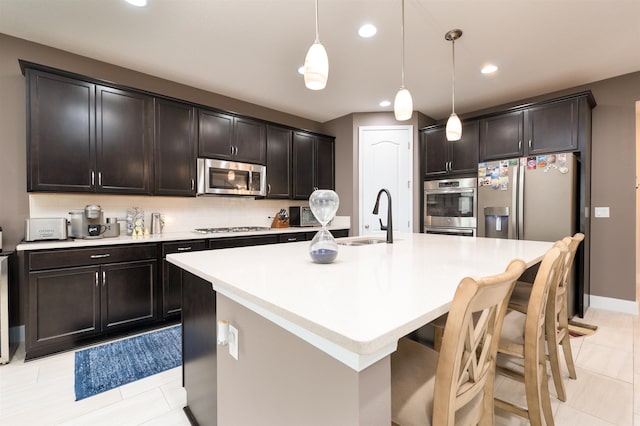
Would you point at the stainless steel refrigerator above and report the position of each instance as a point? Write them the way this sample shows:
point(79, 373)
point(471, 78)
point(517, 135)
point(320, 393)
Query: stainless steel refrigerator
point(530, 198)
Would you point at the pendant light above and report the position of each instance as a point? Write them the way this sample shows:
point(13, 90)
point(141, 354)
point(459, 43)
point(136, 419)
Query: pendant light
point(454, 125)
point(403, 104)
point(316, 63)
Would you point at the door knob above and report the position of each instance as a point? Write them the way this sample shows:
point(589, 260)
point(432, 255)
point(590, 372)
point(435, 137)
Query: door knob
point(366, 227)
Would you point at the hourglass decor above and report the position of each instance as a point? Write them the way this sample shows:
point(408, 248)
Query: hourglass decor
point(324, 205)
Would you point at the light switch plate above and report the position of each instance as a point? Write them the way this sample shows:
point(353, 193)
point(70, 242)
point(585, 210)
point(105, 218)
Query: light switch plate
point(233, 341)
point(601, 211)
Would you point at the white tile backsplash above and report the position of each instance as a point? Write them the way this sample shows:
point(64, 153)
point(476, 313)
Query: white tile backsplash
point(179, 213)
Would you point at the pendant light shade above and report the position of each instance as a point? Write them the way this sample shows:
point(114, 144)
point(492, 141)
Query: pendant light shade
point(403, 105)
point(316, 63)
point(454, 125)
point(316, 67)
point(454, 128)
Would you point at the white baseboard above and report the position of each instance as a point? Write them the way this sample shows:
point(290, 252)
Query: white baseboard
point(611, 304)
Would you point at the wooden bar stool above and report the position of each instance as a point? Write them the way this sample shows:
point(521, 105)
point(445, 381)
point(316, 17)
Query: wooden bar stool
point(523, 337)
point(557, 318)
point(455, 386)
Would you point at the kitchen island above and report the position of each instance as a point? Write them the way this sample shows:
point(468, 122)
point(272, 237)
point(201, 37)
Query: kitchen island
point(315, 340)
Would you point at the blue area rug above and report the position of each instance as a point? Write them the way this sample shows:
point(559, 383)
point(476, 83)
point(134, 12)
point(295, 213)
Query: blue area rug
point(108, 366)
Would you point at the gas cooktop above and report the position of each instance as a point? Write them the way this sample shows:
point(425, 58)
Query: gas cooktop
point(231, 229)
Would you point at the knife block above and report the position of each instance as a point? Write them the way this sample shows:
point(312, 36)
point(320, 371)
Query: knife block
point(277, 223)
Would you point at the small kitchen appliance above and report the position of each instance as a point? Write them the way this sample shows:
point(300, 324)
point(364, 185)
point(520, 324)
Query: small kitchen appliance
point(156, 223)
point(36, 229)
point(80, 220)
point(302, 216)
point(113, 228)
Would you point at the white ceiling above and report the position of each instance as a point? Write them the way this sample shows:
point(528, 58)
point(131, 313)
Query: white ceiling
point(251, 49)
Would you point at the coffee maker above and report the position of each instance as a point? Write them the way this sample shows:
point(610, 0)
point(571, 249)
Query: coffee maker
point(84, 220)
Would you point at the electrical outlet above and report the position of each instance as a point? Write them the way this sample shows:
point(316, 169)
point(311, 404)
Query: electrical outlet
point(233, 341)
point(601, 211)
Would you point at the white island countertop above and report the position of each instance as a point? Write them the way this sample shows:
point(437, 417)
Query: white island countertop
point(356, 308)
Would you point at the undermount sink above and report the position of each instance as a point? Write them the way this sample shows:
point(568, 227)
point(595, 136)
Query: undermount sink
point(361, 241)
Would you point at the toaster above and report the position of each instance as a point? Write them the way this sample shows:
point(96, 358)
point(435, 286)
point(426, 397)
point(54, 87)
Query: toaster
point(37, 229)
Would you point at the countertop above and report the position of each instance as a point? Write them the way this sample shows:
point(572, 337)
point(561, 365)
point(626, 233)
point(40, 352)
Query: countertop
point(356, 308)
point(156, 238)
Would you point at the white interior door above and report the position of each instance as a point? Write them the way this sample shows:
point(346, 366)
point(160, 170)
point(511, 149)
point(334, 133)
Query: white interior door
point(385, 160)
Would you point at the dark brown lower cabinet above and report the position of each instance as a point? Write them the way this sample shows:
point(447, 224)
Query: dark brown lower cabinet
point(199, 350)
point(172, 276)
point(75, 304)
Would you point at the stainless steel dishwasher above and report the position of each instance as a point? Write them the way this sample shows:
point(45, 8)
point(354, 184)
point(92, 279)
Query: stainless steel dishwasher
point(4, 310)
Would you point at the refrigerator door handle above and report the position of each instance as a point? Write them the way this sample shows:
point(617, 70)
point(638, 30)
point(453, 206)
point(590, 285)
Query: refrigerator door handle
point(520, 199)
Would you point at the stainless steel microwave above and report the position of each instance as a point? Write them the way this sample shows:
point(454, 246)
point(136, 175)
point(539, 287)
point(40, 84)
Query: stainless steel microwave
point(220, 177)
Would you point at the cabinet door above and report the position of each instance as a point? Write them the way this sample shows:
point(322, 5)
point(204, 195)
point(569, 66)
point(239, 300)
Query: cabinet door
point(278, 162)
point(434, 148)
point(64, 305)
point(124, 141)
point(552, 127)
point(172, 276)
point(501, 136)
point(127, 294)
point(325, 163)
point(61, 133)
point(303, 162)
point(175, 148)
point(463, 157)
point(215, 132)
point(250, 141)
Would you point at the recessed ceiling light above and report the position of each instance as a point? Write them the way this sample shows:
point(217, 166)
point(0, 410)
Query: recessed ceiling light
point(367, 30)
point(139, 3)
point(489, 69)
point(301, 70)
point(385, 103)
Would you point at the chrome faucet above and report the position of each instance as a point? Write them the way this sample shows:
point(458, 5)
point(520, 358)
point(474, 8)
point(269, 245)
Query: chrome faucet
point(389, 227)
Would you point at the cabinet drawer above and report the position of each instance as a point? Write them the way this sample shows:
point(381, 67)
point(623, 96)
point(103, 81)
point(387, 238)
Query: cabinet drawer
point(39, 260)
point(183, 246)
point(220, 243)
point(293, 237)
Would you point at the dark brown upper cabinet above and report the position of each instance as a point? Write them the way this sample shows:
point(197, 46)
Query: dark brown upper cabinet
point(552, 127)
point(278, 162)
point(313, 164)
point(501, 136)
point(85, 137)
point(441, 157)
point(175, 148)
point(541, 129)
point(60, 133)
point(124, 141)
point(226, 137)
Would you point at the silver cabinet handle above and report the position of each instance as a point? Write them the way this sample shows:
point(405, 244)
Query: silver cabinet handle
point(99, 178)
point(184, 248)
point(268, 188)
point(519, 144)
point(236, 147)
point(231, 150)
point(529, 143)
point(93, 178)
point(290, 239)
point(100, 256)
point(104, 278)
point(193, 184)
point(96, 278)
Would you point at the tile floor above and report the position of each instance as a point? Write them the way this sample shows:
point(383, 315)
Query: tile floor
point(607, 391)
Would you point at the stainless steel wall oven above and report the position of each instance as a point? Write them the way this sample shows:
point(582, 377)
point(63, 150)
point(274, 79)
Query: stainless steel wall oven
point(450, 206)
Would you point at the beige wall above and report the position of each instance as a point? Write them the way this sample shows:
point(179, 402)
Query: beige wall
point(13, 196)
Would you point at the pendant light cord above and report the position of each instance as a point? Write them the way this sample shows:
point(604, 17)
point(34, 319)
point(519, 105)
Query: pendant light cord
point(402, 52)
point(317, 31)
point(453, 77)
